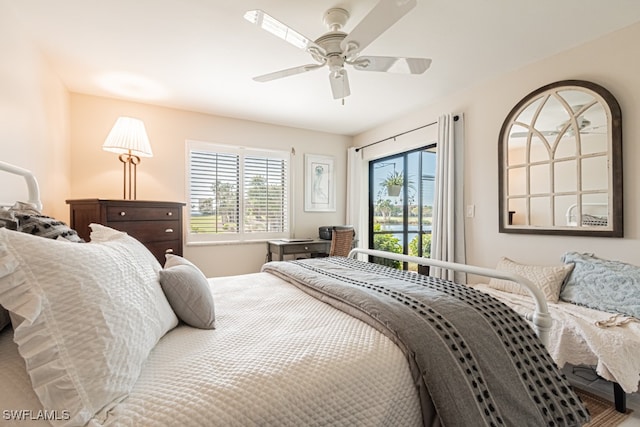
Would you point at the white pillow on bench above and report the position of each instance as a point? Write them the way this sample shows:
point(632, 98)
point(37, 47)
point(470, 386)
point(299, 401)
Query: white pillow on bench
point(601, 284)
point(549, 278)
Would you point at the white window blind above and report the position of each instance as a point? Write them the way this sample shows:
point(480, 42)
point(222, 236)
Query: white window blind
point(236, 193)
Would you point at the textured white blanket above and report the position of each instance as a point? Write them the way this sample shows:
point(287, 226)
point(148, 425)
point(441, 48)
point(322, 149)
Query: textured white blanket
point(277, 357)
point(575, 339)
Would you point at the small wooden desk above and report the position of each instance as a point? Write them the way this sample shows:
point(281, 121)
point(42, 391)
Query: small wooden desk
point(312, 247)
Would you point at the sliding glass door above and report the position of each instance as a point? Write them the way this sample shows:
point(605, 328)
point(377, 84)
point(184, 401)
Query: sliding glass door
point(401, 191)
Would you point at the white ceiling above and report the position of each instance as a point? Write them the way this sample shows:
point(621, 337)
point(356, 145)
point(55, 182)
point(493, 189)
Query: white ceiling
point(201, 55)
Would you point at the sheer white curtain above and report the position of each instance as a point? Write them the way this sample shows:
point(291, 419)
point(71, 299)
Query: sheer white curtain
point(354, 192)
point(447, 240)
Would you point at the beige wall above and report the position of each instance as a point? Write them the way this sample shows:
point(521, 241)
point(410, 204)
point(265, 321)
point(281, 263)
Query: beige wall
point(58, 136)
point(612, 62)
point(34, 121)
point(97, 173)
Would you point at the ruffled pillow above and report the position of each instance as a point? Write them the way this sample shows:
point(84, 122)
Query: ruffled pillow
point(549, 278)
point(26, 218)
point(85, 317)
point(6, 220)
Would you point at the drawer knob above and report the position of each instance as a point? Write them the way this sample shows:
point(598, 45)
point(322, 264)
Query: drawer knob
point(306, 248)
point(169, 213)
point(123, 213)
point(168, 251)
point(169, 230)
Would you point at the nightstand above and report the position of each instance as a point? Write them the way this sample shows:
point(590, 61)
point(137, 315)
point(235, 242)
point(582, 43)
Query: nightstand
point(157, 225)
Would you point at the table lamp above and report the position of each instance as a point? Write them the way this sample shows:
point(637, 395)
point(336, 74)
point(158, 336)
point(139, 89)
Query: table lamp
point(128, 138)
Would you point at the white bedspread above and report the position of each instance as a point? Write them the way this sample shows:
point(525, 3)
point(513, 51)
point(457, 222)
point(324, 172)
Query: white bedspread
point(575, 339)
point(277, 357)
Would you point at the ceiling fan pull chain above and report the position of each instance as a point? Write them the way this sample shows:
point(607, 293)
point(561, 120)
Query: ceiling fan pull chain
point(344, 88)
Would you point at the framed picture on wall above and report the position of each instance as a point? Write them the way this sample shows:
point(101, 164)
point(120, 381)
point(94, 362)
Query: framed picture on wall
point(319, 183)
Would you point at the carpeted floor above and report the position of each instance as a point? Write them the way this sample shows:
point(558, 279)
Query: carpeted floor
point(603, 413)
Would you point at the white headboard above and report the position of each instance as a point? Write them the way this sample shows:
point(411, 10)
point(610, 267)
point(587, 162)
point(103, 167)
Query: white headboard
point(32, 184)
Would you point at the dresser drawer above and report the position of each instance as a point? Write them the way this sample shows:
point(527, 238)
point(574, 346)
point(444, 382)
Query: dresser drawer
point(140, 213)
point(151, 231)
point(160, 249)
point(306, 247)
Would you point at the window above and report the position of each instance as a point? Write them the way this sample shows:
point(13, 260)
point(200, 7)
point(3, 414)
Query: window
point(236, 193)
point(401, 192)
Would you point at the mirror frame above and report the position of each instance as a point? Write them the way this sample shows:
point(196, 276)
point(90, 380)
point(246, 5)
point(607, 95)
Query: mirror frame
point(615, 162)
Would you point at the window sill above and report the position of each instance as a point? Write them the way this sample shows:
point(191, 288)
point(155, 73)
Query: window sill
point(228, 242)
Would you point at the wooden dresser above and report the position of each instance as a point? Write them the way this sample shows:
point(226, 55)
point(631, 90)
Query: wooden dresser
point(158, 225)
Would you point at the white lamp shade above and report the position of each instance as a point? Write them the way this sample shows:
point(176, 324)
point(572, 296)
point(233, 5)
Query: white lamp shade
point(128, 135)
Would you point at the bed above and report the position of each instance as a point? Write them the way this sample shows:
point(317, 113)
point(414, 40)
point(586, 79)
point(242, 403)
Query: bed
point(594, 326)
point(97, 338)
point(592, 215)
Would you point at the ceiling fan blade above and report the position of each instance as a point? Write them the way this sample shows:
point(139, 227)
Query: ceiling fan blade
point(288, 72)
point(339, 84)
point(380, 18)
point(280, 30)
point(526, 134)
point(391, 64)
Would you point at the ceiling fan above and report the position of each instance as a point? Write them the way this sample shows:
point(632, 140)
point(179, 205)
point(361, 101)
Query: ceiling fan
point(336, 48)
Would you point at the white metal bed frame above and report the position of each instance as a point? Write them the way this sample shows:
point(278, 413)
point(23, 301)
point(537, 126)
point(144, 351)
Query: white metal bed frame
point(540, 318)
point(600, 210)
point(32, 184)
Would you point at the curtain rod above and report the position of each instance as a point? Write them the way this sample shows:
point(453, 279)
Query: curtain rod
point(455, 119)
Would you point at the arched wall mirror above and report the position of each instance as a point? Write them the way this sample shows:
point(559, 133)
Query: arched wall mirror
point(560, 162)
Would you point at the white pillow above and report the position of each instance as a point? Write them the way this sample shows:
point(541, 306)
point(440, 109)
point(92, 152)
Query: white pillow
point(548, 278)
point(85, 317)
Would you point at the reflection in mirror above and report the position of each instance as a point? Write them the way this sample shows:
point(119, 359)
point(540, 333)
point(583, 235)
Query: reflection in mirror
point(560, 155)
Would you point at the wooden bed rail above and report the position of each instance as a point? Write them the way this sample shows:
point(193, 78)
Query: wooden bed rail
point(540, 317)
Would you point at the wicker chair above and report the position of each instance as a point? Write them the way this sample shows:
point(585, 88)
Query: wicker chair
point(341, 240)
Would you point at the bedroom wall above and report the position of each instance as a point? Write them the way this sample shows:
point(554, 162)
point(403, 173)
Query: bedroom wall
point(612, 62)
point(98, 174)
point(34, 120)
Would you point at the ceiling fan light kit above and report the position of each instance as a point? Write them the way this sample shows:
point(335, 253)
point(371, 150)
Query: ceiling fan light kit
point(336, 48)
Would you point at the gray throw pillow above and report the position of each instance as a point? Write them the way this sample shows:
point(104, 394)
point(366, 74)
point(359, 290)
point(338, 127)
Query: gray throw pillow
point(187, 290)
point(604, 285)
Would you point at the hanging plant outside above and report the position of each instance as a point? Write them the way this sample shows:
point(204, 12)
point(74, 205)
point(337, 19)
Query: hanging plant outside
point(393, 182)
